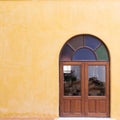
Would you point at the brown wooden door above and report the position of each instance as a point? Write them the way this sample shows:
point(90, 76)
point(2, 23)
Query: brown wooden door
point(84, 89)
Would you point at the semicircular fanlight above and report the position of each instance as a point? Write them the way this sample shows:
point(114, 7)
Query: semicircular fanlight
point(84, 47)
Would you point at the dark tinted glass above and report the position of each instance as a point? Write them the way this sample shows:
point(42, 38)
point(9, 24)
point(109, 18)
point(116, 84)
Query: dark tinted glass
point(66, 53)
point(76, 42)
point(91, 42)
point(84, 54)
point(72, 80)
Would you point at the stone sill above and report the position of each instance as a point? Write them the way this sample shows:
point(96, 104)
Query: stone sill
point(83, 118)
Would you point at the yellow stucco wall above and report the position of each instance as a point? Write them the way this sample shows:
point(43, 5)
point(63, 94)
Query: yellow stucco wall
point(32, 34)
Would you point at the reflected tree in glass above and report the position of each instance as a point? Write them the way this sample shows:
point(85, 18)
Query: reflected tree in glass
point(96, 84)
point(71, 80)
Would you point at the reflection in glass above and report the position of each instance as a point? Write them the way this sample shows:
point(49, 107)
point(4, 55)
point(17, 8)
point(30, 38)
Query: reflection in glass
point(96, 84)
point(71, 80)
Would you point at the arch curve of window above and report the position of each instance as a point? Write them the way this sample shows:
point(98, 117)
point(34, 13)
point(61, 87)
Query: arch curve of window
point(84, 48)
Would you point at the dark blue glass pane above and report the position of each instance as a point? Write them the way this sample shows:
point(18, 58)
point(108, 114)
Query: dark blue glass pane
point(92, 42)
point(66, 53)
point(84, 54)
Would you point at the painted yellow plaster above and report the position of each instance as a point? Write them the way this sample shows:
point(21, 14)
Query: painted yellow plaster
point(32, 34)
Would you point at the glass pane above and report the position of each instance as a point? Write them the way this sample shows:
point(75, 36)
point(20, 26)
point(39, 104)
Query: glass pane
point(76, 42)
point(96, 84)
point(71, 80)
point(66, 53)
point(102, 53)
point(91, 41)
point(84, 54)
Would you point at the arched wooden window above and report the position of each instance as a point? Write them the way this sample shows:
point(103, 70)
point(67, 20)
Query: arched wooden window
point(84, 77)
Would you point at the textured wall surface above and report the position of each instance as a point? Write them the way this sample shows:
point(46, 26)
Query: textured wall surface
point(32, 34)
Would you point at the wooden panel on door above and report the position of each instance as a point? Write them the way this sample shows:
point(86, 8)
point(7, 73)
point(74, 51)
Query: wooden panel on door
point(72, 107)
point(97, 107)
point(91, 106)
point(66, 106)
point(101, 106)
point(76, 106)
